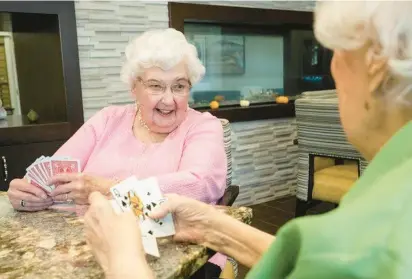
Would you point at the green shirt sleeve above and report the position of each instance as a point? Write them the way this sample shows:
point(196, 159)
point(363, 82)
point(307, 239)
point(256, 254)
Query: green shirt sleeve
point(296, 254)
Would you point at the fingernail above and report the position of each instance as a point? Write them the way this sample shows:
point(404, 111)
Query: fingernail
point(43, 196)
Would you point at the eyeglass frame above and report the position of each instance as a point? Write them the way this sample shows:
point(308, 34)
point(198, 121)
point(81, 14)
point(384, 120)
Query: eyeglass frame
point(164, 86)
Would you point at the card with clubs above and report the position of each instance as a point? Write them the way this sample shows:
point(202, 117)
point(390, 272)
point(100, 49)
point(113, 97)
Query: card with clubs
point(150, 245)
point(142, 197)
point(149, 242)
point(148, 189)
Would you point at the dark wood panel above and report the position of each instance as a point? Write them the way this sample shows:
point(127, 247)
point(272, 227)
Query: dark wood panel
point(39, 65)
point(35, 133)
point(68, 46)
point(19, 157)
point(255, 112)
point(70, 72)
point(179, 13)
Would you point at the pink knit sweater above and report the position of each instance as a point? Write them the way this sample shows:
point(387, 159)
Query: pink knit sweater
point(191, 161)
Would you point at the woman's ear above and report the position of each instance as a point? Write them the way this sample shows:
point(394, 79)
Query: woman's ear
point(377, 71)
point(134, 91)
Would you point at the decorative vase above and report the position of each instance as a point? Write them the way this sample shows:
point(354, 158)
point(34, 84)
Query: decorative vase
point(244, 103)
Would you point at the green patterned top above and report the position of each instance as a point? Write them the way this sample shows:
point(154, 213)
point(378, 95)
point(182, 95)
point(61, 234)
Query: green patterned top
point(367, 236)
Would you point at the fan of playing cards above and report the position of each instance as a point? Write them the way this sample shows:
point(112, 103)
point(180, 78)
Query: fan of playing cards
point(41, 170)
point(141, 197)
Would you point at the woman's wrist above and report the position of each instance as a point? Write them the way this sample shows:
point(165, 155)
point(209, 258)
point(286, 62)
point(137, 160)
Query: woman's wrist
point(214, 230)
point(233, 238)
point(130, 267)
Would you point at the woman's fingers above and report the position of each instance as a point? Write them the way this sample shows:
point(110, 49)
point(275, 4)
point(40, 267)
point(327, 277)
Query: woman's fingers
point(37, 205)
point(20, 204)
point(22, 185)
point(64, 178)
point(99, 202)
point(28, 197)
point(169, 206)
point(63, 189)
point(34, 208)
point(63, 197)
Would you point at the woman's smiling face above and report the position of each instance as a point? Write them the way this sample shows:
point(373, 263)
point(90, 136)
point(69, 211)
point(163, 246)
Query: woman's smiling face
point(163, 97)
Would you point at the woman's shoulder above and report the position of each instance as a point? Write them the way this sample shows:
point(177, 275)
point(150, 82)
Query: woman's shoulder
point(117, 110)
point(110, 116)
point(196, 119)
point(114, 112)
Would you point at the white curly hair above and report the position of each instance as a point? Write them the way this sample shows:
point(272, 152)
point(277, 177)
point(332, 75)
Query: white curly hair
point(163, 48)
point(385, 25)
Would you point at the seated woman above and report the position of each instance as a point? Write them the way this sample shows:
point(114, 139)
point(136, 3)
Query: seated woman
point(159, 136)
point(368, 235)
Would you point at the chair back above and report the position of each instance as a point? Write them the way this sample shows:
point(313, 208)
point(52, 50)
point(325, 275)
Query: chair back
point(227, 140)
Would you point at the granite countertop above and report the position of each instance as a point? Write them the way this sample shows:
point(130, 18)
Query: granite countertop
point(50, 244)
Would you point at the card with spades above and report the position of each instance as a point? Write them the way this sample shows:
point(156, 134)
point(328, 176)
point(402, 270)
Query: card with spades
point(141, 197)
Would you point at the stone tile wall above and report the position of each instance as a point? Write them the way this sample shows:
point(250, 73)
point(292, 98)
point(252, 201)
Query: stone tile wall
point(264, 159)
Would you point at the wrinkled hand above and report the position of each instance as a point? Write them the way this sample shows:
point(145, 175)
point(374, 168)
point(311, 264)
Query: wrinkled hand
point(34, 198)
point(115, 239)
point(78, 186)
point(191, 217)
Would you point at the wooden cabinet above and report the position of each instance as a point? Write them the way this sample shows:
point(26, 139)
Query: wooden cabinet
point(51, 88)
point(16, 158)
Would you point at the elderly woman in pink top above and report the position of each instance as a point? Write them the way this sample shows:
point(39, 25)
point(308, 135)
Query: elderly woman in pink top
point(159, 136)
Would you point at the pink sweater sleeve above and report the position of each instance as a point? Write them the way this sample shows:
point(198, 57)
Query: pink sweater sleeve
point(202, 170)
point(82, 143)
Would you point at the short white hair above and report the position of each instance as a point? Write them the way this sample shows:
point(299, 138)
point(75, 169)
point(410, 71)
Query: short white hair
point(163, 48)
point(386, 25)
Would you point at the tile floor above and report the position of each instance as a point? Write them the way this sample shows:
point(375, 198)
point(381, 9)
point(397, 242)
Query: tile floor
point(270, 216)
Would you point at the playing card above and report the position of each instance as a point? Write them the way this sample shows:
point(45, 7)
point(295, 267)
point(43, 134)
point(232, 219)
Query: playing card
point(41, 168)
point(34, 182)
point(40, 171)
point(150, 245)
point(64, 166)
point(149, 242)
point(34, 170)
point(152, 197)
point(142, 197)
point(115, 206)
point(46, 164)
point(126, 197)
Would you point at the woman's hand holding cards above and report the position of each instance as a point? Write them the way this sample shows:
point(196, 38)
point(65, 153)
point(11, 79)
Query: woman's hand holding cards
point(191, 217)
point(78, 186)
point(23, 196)
point(115, 239)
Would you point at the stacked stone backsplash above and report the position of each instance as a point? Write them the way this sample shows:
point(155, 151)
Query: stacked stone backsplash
point(264, 166)
point(264, 159)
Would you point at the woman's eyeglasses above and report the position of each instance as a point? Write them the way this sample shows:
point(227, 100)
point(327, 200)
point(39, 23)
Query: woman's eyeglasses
point(179, 88)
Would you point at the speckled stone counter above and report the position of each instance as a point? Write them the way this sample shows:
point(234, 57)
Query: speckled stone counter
point(50, 244)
